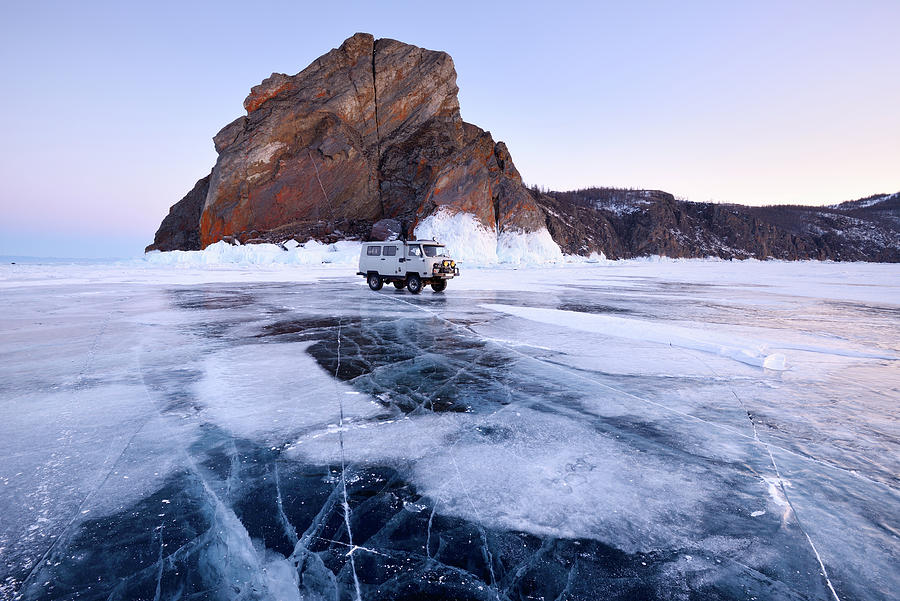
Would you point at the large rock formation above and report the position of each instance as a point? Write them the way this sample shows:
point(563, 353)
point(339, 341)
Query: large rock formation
point(370, 130)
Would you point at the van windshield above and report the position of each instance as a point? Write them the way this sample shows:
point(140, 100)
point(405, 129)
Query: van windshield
point(432, 250)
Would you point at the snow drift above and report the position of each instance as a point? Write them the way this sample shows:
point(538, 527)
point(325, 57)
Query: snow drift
point(289, 253)
point(469, 241)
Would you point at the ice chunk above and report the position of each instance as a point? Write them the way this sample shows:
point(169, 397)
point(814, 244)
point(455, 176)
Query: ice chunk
point(222, 253)
point(775, 361)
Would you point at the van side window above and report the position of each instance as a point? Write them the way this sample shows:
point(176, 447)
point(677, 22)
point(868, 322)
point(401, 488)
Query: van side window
point(390, 251)
point(374, 251)
point(415, 251)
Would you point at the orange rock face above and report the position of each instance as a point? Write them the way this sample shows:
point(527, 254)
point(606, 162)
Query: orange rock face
point(369, 130)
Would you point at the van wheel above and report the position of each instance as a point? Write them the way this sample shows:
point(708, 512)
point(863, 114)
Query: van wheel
point(375, 281)
point(414, 284)
point(439, 285)
point(399, 284)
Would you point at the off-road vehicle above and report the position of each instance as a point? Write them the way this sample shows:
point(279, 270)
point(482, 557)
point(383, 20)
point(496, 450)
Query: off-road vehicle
point(409, 263)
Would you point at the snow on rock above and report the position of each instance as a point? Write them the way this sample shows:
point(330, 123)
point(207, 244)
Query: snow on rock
point(466, 238)
point(528, 247)
point(469, 241)
point(864, 203)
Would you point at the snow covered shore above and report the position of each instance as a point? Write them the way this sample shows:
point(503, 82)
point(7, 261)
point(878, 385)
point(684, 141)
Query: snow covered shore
point(859, 282)
point(468, 241)
point(292, 253)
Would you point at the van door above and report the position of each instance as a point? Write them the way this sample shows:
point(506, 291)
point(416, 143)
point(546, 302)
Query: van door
point(390, 260)
point(415, 260)
point(370, 259)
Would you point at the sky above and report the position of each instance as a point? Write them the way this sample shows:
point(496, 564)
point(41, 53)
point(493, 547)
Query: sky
point(110, 107)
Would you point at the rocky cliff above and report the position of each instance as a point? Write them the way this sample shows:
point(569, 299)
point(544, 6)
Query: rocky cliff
point(631, 223)
point(370, 130)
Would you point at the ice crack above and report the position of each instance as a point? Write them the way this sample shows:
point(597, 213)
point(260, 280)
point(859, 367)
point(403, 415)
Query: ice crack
point(161, 561)
point(781, 485)
point(345, 503)
point(428, 537)
point(289, 529)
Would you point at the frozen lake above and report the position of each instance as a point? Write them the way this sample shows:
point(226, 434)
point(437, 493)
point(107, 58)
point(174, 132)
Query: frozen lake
point(632, 430)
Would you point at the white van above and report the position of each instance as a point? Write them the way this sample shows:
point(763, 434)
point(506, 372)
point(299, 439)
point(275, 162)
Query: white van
point(411, 263)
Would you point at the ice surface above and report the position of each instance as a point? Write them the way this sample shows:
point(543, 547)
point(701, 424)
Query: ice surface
point(237, 392)
point(529, 471)
point(706, 341)
point(650, 429)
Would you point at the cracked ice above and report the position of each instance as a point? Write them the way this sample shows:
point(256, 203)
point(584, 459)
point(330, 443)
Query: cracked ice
point(631, 430)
